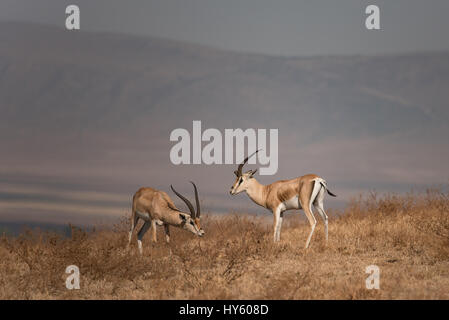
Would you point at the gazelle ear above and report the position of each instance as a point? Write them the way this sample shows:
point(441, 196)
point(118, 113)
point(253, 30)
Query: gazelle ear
point(236, 173)
point(253, 172)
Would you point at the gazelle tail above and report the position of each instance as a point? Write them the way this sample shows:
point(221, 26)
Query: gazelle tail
point(324, 184)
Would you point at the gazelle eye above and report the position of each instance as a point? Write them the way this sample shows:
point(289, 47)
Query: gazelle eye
point(240, 181)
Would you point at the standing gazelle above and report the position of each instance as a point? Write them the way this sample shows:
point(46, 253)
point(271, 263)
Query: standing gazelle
point(284, 195)
point(156, 207)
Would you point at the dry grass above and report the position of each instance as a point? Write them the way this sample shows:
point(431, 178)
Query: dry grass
point(406, 236)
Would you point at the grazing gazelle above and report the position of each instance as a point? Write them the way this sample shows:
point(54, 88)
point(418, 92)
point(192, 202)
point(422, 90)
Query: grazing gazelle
point(156, 207)
point(284, 195)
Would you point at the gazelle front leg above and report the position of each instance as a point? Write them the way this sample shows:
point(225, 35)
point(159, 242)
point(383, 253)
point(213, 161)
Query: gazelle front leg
point(141, 233)
point(281, 217)
point(167, 233)
point(278, 215)
point(153, 230)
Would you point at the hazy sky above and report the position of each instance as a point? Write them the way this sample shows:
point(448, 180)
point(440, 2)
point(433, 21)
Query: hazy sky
point(282, 27)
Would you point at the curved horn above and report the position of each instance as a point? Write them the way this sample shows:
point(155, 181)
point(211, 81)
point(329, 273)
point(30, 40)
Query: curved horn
point(198, 210)
point(187, 202)
point(239, 170)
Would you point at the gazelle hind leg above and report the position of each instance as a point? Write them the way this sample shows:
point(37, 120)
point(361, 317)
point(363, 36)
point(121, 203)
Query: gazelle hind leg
point(318, 204)
point(308, 210)
point(134, 221)
point(141, 233)
point(312, 221)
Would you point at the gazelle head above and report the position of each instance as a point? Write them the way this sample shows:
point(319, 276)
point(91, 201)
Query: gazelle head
point(243, 180)
point(191, 222)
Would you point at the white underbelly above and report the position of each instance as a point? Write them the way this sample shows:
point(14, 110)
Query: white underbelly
point(292, 203)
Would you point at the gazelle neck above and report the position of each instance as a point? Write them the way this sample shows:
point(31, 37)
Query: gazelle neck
point(256, 192)
point(173, 217)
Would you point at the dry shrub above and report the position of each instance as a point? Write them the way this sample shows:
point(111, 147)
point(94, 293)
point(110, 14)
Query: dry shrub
point(407, 236)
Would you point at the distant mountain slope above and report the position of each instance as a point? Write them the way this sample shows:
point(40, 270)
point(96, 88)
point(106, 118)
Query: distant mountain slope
point(101, 81)
point(96, 109)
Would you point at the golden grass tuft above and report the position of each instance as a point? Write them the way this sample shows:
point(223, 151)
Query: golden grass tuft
point(407, 237)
